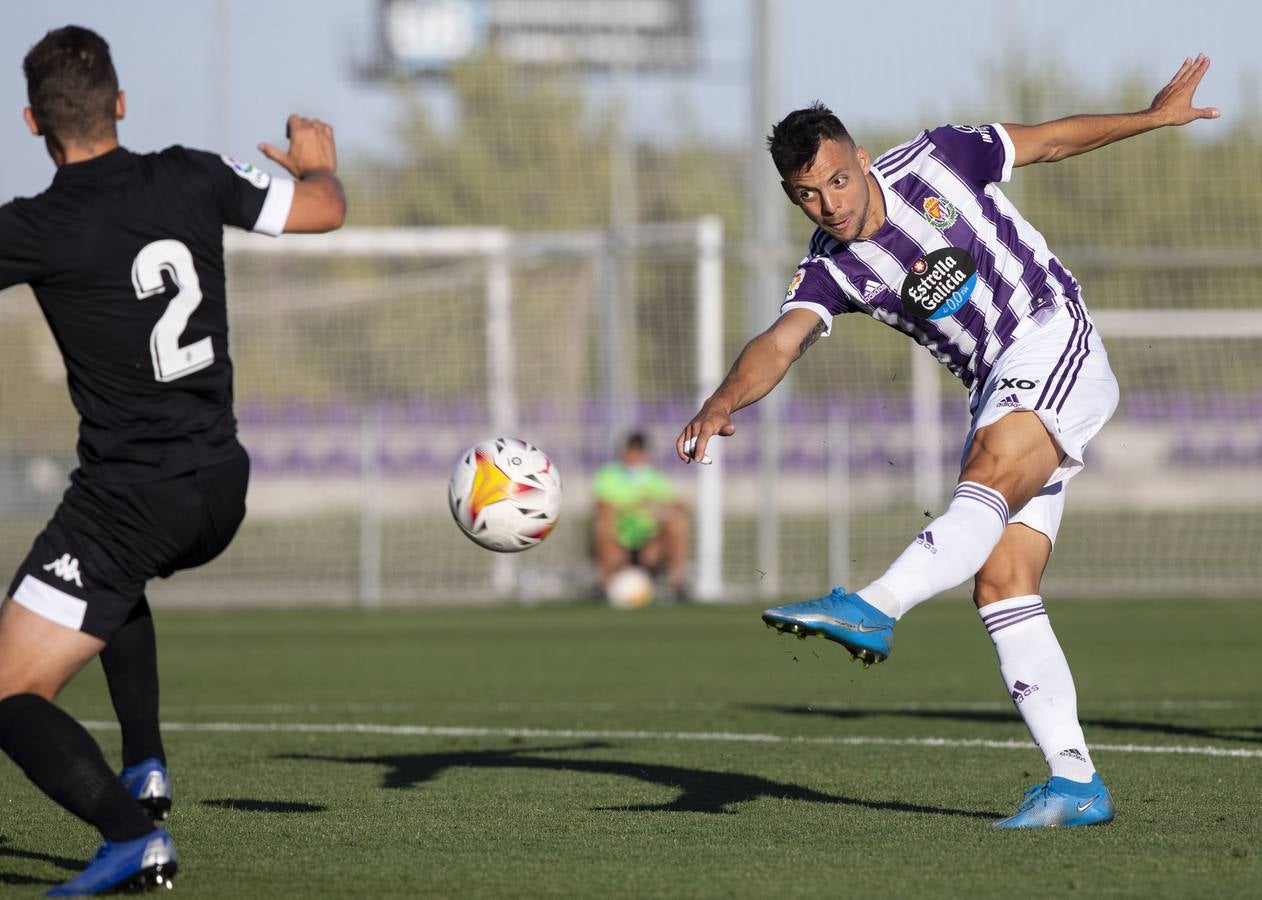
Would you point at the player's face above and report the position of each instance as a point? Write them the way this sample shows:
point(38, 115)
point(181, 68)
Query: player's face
point(833, 190)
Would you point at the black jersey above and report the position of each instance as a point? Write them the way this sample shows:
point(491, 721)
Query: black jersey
point(125, 255)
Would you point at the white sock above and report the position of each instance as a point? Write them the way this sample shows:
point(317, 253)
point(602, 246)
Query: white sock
point(948, 552)
point(1037, 678)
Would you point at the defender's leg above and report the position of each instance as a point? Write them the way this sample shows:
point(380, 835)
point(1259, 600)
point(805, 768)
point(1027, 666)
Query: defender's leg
point(37, 657)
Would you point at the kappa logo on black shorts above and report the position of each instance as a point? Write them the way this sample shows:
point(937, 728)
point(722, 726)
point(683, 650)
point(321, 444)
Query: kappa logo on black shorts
point(65, 567)
point(939, 283)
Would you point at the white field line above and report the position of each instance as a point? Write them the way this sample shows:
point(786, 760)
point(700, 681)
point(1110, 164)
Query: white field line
point(1094, 709)
point(705, 736)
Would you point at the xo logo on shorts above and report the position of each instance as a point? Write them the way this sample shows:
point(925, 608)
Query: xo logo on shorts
point(939, 283)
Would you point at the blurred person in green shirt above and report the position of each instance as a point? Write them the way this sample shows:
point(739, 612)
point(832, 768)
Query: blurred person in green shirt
point(640, 519)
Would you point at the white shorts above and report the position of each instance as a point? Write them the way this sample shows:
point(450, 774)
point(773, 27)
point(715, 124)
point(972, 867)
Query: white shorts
point(1060, 372)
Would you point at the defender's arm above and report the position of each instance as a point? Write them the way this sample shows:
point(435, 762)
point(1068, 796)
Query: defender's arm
point(758, 369)
point(319, 201)
point(1062, 138)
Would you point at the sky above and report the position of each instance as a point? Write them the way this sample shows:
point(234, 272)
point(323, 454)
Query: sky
point(223, 74)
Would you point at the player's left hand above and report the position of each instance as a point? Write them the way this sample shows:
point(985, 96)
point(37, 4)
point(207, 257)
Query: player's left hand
point(311, 147)
point(1173, 103)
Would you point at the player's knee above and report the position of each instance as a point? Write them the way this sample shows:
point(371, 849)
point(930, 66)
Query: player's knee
point(22, 685)
point(1002, 580)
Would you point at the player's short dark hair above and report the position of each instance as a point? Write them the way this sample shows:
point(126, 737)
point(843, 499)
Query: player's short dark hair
point(71, 84)
point(795, 139)
point(636, 440)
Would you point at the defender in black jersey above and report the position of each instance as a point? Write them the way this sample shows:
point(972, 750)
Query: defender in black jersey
point(125, 255)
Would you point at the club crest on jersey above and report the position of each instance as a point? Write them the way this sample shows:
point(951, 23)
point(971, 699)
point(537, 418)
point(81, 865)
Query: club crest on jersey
point(795, 284)
point(940, 212)
point(939, 283)
point(249, 172)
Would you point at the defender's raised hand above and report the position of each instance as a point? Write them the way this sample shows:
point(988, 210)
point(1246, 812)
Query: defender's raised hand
point(319, 201)
point(1173, 103)
point(311, 147)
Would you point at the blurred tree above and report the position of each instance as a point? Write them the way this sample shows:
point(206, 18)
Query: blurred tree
point(524, 151)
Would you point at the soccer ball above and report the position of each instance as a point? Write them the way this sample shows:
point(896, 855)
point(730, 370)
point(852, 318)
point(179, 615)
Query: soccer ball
point(505, 494)
point(630, 588)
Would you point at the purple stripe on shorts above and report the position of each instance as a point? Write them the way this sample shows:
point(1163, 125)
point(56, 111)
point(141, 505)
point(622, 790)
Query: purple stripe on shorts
point(1078, 353)
point(971, 491)
point(1017, 621)
point(1070, 346)
point(1073, 379)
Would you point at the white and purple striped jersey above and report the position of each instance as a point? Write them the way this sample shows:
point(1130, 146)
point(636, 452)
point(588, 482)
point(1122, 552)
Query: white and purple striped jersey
point(955, 265)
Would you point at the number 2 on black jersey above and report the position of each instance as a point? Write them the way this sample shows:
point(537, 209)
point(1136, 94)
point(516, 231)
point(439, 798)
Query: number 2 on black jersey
point(170, 360)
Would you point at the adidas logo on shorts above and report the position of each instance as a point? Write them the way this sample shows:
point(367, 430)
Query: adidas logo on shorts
point(925, 539)
point(1012, 400)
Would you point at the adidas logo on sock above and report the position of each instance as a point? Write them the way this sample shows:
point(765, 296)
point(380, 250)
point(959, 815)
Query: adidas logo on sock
point(1021, 690)
point(1012, 400)
point(925, 539)
point(1073, 753)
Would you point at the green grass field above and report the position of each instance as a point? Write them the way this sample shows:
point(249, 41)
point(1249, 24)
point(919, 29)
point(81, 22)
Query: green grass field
point(674, 752)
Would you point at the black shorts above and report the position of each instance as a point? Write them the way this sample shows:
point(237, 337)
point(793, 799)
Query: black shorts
point(88, 568)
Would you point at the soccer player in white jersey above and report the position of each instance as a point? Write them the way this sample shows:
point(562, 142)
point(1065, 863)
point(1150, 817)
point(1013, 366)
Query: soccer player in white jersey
point(922, 239)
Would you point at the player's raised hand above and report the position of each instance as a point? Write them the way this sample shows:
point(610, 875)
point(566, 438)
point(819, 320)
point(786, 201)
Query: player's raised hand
point(1173, 103)
point(311, 147)
point(691, 445)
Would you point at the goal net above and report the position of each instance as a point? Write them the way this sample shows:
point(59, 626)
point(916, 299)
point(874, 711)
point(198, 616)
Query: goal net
point(368, 359)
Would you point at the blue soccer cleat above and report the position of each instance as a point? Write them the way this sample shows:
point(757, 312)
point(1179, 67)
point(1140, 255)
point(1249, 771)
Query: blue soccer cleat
point(136, 865)
point(1061, 803)
point(845, 618)
point(149, 784)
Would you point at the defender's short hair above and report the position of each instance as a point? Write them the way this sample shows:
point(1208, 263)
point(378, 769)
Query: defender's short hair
point(71, 84)
point(794, 140)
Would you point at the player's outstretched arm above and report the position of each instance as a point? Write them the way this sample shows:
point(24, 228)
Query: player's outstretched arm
point(319, 200)
point(758, 369)
point(1062, 138)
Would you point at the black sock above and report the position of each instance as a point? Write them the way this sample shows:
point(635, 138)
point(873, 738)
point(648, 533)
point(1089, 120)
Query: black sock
point(63, 761)
point(130, 661)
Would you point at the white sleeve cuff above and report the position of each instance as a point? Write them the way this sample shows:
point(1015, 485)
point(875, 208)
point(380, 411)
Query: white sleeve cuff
point(275, 211)
point(1009, 152)
point(813, 307)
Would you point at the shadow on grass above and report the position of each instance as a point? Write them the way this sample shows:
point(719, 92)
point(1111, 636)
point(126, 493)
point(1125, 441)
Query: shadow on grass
point(243, 804)
point(13, 878)
point(700, 790)
point(1247, 733)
